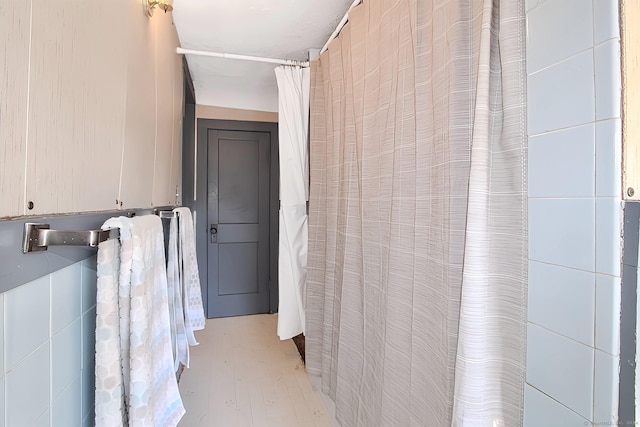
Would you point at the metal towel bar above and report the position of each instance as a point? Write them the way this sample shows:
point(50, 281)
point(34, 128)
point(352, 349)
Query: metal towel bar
point(165, 214)
point(38, 236)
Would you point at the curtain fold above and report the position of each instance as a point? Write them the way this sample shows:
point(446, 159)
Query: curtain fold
point(490, 358)
point(416, 289)
point(293, 93)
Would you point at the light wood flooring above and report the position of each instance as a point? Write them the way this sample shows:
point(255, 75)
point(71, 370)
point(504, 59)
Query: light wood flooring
point(241, 375)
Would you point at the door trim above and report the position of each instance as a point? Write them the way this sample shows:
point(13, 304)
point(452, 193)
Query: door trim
point(200, 206)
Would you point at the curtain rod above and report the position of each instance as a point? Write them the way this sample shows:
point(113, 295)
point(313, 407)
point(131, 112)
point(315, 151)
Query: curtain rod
point(341, 24)
point(242, 57)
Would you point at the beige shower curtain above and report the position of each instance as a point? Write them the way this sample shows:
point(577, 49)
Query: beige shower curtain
point(417, 264)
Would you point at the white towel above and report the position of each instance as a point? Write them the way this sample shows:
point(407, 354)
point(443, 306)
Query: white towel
point(143, 390)
point(109, 380)
point(190, 278)
point(176, 308)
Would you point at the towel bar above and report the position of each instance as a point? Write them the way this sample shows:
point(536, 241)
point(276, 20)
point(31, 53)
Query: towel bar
point(38, 237)
point(165, 214)
point(158, 212)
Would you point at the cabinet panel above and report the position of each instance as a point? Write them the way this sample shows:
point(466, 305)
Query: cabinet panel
point(14, 72)
point(90, 93)
point(76, 119)
point(163, 194)
point(140, 128)
point(178, 112)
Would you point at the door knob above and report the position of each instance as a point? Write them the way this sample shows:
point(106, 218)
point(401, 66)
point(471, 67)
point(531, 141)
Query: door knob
point(213, 231)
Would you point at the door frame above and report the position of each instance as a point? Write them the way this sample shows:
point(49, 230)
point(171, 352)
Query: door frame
point(200, 206)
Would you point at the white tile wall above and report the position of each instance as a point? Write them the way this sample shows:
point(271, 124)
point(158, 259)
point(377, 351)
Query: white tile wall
point(561, 232)
point(27, 388)
point(44, 420)
point(605, 410)
point(89, 283)
point(87, 380)
point(557, 365)
point(88, 383)
point(88, 422)
point(608, 236)
point(65, 297)
point(65, 407)
point(2, 370)
point(26, 317)
point(559, 40)
point(552, 289)
point(608, 80)
point(562, 163)
point(49, 340)
point(575, 210)
point(608, 290)
point(2, 412)
point(605, 18)
point(562, 95)
point(544, 411)
point(530, 4)
point(66, 352)
point(608, 155)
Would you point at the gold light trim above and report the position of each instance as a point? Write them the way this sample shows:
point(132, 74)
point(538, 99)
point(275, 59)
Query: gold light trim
point(150, 6)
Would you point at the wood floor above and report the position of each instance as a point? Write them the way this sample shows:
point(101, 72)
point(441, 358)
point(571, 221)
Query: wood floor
point(241, 375)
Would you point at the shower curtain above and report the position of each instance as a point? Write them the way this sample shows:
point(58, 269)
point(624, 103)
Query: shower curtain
point(293, 139)
point(417, 264)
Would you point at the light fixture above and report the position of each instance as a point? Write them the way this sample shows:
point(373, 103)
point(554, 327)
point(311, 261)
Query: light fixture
point(150, 5)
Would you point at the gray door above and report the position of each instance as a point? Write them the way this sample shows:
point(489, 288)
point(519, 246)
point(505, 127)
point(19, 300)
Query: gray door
point(238, 169)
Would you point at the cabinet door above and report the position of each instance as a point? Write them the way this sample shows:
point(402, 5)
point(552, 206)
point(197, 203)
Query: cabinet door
point(77, 90)
point(14, 45)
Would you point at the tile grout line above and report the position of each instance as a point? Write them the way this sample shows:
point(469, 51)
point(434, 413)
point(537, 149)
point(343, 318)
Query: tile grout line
point(554, 399)
point(595, 210)
point(4, 361)
point(573, 55)
point(50, 349)
point(575, 341)
point(573, 126)
point(82, 335)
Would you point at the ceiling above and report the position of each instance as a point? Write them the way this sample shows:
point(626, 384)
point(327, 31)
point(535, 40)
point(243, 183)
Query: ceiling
point(283, 29)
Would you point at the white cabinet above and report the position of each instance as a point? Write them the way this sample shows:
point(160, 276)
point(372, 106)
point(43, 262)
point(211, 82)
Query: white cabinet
point(75, 106)
point(90, 94)
point(14, 72)
point(169, 74)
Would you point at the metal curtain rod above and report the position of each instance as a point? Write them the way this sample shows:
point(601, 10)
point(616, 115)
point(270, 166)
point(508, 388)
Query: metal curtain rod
point(341, 24)
point(38, 236)
point(335, 33)
point(242, 57)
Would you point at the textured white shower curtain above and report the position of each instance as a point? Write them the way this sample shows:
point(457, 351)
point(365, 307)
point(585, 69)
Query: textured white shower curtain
point(417, 266)
point(293, 117)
